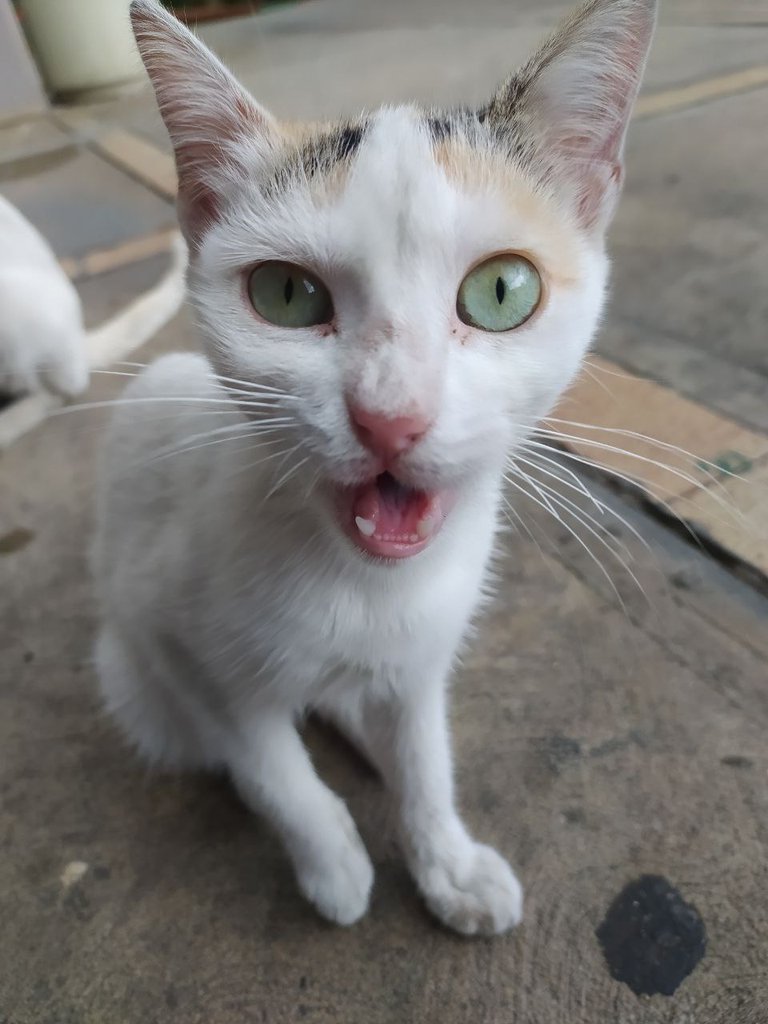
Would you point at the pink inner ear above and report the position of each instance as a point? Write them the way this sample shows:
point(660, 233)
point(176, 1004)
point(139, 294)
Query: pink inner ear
point(602, 184)
point(206, 161)
point(198, 209)
point(206, 113)
point(581, 94)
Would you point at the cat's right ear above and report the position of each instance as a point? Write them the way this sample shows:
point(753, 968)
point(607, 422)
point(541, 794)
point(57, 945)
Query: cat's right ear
point(214, 125)
point(572, 101)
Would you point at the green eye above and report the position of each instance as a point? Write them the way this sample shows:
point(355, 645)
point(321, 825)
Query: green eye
point(500, 294)
point(289, 296)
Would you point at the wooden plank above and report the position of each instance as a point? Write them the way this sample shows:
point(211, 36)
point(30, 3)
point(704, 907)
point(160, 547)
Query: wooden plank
point(610, 413)
point(706, 468)
point(744, 532)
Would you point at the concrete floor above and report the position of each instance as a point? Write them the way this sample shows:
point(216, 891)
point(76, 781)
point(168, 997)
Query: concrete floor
point(595, 745)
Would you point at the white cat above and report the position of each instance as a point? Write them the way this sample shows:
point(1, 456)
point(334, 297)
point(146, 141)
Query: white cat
point(44, 347)
point(42, 340)
point(303, 520)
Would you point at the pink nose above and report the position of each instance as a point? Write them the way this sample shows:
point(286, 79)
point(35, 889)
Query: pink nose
point(387, 436)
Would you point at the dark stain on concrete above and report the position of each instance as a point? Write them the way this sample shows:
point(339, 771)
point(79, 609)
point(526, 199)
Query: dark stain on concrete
point(557, 751)
point(736, 761)
point(685, 579)
point(651, 938)
point(15, 540)
point(615, 743)
point(573, 815)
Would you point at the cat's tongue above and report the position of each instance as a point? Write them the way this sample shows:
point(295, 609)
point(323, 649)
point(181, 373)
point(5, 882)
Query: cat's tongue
point(394, 521)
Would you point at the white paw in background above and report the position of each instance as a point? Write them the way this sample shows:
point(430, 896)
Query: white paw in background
point(338, 882)
point(475, 892)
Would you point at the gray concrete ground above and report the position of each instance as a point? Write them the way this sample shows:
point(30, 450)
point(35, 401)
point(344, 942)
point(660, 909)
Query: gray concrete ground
point(594, 744)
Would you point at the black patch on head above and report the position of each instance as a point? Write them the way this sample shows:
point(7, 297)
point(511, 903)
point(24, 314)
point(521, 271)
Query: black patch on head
point(325, 151)
point(440, 127)
point(348, 141)
point(490, 126)
point(651, 938)
point(448, 124)
point(319, 155)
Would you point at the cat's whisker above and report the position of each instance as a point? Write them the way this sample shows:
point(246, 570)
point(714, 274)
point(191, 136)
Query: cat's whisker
point(515, 518)
point(597, 529)
point(601, 506)
point(291, 471)
point(602, 446)
point(286, 452)
point(268, 400)
point(605, 371)
point(113, 373)
point(590, 372)
point(703, 464)
point(252, 387)
point(638, 483)
point(569, 506)
point(524, 476)
point(575, 535)
point(577, 482)
point(250, 432)
point(190, 400)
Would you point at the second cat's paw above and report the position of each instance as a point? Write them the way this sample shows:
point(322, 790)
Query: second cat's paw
point(475, 892)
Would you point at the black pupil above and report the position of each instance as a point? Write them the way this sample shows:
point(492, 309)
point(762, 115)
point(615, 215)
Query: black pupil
point(501, 289)
point(288, 290)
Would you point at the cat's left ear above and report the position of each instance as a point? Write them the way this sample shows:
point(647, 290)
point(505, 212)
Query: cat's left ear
point(216, 128)
point(573, 100)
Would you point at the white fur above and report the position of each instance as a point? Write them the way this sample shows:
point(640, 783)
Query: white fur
point(232, 604)
point(42, 342)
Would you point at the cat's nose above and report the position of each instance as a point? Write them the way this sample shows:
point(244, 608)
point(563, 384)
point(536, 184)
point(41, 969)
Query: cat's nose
point(387, 436)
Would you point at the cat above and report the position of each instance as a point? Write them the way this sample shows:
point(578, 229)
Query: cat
point(42, 338)
point(45, 349)
point(302, 519)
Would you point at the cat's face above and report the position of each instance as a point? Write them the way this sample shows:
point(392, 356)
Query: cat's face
point(420, 287)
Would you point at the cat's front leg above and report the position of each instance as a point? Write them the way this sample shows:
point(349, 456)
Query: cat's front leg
point(274, 774)
point(466, 884)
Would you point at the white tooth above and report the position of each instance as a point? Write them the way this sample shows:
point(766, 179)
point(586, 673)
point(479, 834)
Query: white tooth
point(414, 538)
point(424, 527)
point(366, 526)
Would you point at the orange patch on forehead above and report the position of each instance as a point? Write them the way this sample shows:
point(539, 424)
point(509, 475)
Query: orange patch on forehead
point(551, 234)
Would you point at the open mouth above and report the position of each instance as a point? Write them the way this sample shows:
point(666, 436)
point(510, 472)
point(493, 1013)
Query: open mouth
point(388, 519)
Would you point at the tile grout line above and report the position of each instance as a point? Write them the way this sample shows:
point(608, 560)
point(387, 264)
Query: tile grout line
point(690, 96)
point(100, 261)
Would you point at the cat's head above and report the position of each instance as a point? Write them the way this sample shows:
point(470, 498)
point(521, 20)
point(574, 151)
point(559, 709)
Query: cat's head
point(422, 285)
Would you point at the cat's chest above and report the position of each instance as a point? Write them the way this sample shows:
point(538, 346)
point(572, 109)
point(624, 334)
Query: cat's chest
point(351, 622)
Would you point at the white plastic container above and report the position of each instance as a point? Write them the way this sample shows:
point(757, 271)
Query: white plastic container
point(81, 44)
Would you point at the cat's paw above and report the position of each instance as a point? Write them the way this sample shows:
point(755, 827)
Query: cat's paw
point(474, 891)
point(339, 882)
